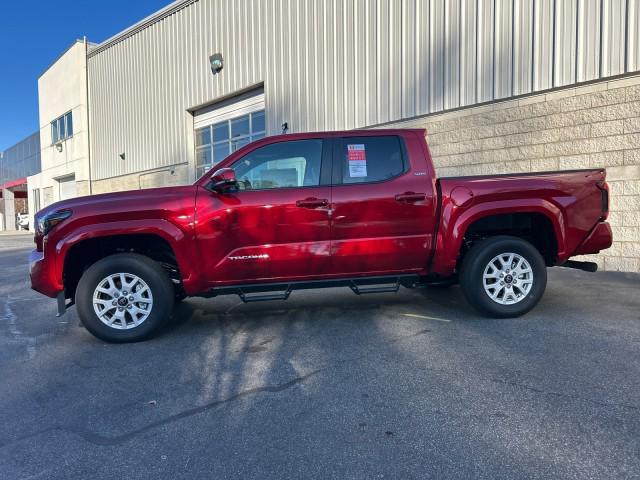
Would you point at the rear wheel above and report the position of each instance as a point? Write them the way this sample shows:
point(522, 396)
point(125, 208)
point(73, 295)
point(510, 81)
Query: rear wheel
point(503, 276)
point(124, 298)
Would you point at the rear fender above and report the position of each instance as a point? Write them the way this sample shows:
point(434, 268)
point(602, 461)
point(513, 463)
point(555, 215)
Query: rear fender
point(456, 220)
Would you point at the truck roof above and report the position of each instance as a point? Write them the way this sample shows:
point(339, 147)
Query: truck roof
point(354, 133)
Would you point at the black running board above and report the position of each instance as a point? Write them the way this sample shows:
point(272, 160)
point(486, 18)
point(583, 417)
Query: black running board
point(280, 291)
point(585, 266)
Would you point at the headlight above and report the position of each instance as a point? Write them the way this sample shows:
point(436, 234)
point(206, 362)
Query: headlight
point(45, 223)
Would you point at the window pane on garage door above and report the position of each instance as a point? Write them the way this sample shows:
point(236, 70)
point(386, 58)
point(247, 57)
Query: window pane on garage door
point(216, 142)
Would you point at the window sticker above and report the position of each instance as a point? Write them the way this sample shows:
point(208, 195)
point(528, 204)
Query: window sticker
point(357, 158)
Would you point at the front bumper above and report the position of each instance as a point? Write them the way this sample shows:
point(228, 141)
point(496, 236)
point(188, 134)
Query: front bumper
point(600, 238)
point(43, 276)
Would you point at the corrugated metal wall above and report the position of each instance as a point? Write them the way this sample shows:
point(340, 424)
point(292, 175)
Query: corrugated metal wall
point(342, 64)
point(21, 160)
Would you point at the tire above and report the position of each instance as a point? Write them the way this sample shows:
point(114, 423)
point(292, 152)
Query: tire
point(135, 316)
point(517, 294)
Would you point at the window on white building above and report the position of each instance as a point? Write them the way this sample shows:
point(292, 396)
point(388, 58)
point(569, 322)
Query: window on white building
point(62, 128)
point(36, 201)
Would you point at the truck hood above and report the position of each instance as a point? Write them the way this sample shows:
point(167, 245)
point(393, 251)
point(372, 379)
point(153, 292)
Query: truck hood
point(125, 202)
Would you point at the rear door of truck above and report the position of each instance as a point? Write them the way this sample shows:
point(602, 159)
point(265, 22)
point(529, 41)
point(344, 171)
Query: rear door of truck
point(383, 205)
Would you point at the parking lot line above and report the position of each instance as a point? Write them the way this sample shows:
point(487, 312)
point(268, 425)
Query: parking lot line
point(415, 315)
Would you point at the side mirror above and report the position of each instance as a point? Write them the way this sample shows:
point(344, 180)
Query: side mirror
point(224, 180)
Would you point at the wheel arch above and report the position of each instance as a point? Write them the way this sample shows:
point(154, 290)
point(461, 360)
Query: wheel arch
point(459, 223)
point(534, 227)
point(76, 253)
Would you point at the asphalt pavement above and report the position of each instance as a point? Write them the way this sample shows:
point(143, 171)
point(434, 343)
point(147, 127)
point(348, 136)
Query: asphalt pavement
point(326, 385)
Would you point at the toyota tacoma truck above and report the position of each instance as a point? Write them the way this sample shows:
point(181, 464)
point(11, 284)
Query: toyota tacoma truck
point(358, 209)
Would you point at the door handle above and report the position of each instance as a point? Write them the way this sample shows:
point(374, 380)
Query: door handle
point(312, 202)
point(410, 197)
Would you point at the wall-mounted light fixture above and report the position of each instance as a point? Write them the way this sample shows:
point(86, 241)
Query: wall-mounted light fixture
point(59, 146)
point(216, 62)
point(122, 156)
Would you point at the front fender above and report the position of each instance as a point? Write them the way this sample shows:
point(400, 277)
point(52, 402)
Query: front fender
point(456, 220)
point(180, 243)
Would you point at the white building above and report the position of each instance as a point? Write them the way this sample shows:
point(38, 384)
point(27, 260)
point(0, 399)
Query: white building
point(64, 136)
point(501, 86)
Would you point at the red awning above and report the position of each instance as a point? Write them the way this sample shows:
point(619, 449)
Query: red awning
point(14, 183)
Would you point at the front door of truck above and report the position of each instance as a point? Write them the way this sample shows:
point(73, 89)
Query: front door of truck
point(276, 226)
point(383, 209)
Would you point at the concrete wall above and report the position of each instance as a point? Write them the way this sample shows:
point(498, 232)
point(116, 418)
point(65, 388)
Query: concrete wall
point(7, 210)
point(163, 177)
point(62, 88)
point(586, 127)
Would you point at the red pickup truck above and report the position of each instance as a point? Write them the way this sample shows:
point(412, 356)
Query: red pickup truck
point(361, 209)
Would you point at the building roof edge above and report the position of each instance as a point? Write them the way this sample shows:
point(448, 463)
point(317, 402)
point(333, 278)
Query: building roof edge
point(139, 26)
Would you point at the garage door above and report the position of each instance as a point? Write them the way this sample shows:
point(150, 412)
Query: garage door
point(224, 128)
point(67, 187)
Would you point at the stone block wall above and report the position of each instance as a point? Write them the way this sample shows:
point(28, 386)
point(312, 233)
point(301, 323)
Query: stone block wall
point(596, 125)
point(165, 177)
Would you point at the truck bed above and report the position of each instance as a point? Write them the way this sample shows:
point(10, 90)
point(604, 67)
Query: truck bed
point(526, 174)
point(573, 200)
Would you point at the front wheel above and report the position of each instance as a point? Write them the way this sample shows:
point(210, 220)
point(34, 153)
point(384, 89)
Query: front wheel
point(124, 298)
point(503, 276)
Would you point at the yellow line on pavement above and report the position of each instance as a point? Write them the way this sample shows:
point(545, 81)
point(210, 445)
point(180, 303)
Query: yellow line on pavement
point(414, 315)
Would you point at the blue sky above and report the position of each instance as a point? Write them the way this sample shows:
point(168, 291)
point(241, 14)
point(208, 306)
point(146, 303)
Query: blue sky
point(34, 33)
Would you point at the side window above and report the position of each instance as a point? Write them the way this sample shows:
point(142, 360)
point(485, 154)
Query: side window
point(280, 165)
point(62, 128)
point(371, 159)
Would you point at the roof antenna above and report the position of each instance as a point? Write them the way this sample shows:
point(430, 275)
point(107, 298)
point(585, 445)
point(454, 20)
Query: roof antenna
point(285, 127)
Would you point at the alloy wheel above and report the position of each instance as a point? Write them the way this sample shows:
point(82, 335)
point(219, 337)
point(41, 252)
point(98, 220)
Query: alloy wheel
point(507, 278)
point(122, 301)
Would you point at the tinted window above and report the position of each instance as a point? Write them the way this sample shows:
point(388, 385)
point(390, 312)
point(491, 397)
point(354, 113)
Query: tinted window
point(220, 152)
point(221, 132)
point(69, 123)
point(370, 159)
point(240, 127)
point(281, 165)
point(257, 122)
point(61, 134)
point(203, 136)
point(203, 156)
point(62, 128)
point(54, 132)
